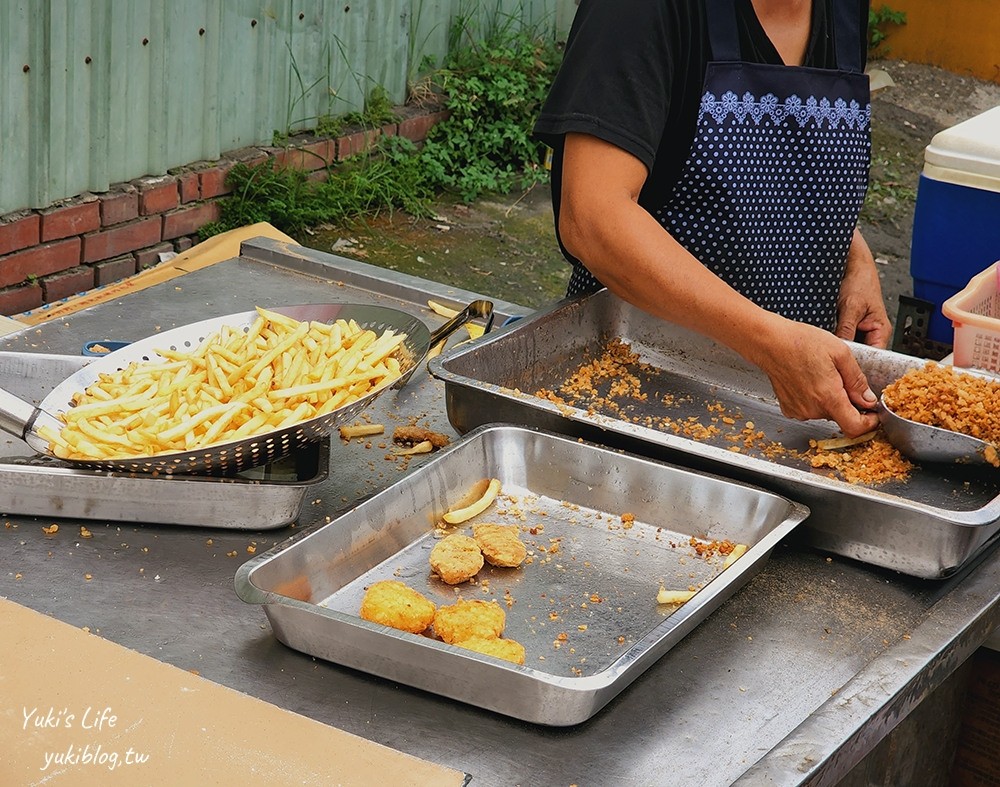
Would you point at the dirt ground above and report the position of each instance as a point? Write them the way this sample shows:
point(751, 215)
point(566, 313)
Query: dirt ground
point(505, 247)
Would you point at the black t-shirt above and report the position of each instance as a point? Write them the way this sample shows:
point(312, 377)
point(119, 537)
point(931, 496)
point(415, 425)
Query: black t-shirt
point(632, 75)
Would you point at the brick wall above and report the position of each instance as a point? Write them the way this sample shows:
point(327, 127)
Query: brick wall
point(91, 240)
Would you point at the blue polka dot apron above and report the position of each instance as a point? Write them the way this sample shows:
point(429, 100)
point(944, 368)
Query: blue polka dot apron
point(772, 187)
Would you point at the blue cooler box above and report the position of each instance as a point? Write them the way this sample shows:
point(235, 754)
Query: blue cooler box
point(956, 223)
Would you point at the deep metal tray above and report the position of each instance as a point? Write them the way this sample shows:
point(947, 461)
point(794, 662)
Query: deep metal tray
point(598, 588)
point(262, 498)
point(927, 527)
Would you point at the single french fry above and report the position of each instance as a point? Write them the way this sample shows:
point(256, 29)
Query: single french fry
point(835, 443)
point(423, 447)
point(360, 430)
point(441, 310)
point(665, 596)
point(456, 516)
point(738, 551)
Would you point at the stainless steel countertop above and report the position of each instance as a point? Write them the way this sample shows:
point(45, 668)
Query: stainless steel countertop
point(793, 680)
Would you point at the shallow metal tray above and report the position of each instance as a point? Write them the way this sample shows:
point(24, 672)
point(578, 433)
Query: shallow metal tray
point(262, 498)
point(928, 527)
point(599, 587)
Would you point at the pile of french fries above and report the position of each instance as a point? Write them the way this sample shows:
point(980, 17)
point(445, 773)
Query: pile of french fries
point(237, 384)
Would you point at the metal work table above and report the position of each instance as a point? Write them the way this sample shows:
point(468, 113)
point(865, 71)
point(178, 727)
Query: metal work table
point(791, 681)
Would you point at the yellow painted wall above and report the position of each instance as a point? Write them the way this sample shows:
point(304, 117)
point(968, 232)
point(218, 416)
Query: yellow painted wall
point(960, 35)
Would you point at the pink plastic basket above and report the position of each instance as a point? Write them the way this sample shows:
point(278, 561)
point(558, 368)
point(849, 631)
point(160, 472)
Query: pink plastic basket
point(975, 315)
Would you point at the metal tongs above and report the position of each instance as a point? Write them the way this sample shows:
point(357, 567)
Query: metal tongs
point(926, 443)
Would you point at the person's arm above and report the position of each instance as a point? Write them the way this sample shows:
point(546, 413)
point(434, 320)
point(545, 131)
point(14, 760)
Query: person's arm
point(861, 310)
point(813, 373)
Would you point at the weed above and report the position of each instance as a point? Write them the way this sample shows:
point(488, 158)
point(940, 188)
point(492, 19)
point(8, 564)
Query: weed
point(297, 98)
point(494, 91)
point(878, 20)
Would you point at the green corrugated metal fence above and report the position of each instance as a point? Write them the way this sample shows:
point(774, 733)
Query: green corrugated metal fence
point(95, 92)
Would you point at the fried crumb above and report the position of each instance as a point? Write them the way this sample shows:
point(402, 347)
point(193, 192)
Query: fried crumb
point(412, 435)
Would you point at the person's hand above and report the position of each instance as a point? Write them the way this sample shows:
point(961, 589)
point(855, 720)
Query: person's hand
point(815, 375)
point(861, 314)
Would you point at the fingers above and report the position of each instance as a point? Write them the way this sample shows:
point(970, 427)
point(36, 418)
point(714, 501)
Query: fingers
point(876, 332)
point(873, 329)
point(855, 384)
point(847, 326)
point(817, 376)
point(853, 422)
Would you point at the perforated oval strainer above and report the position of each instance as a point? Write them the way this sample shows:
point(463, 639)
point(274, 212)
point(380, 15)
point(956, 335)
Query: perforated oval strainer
point(23, 419)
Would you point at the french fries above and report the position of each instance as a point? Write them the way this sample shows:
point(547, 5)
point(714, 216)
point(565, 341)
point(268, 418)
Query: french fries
point(236, 384)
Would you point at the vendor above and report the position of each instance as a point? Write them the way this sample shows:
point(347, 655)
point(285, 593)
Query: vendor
point(710, 161)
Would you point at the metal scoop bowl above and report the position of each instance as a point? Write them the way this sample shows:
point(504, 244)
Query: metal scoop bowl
point(926, 443)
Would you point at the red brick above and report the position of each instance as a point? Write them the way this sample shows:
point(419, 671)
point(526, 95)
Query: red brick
point(19, 233)
point(147, 258)
point(122, 239)
point(62, 285)
point(358, 142)
point(39, 261)
point(70, 220)
point(158, 196)
point(184, 243)
point(187, 221)
point(190, 186)
point(309, 157)
point(114, 270)
point(119, 206)
point(213, 181)
point(15, 300)
point(416, 128)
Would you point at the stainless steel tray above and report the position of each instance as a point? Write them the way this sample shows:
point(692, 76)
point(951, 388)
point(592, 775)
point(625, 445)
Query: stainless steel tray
point(604, 576)
point(258, 499)
point(927, 527)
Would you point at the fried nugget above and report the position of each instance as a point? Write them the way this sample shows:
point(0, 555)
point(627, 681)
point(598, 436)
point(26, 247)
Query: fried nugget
point(394, 604)
point(456, 558)
point(506, 649)
point(501, 544)
point(468, 620)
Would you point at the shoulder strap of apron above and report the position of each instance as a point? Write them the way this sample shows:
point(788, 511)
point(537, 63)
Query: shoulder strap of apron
point(847, 34)
point(724, 37)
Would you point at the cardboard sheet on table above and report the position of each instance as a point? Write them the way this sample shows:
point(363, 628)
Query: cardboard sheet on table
point(93, 693)
point(218, 248)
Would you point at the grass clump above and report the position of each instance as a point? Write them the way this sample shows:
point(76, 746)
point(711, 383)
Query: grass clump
point(493, 89)
point(388, 178)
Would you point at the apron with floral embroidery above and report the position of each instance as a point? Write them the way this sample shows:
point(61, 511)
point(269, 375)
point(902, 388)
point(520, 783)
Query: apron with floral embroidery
point(772, 187)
